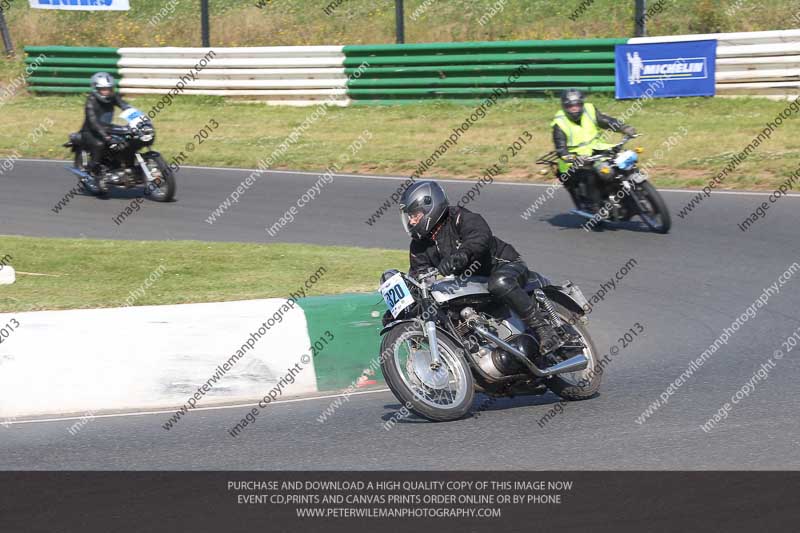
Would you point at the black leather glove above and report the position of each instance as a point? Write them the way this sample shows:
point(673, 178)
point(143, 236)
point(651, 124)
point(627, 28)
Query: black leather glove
point(453, 263)
point(574, 159)
point(629, 130)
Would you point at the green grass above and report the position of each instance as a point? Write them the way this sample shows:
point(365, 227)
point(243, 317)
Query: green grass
point(402, 135)
point(83, 273)
point(296, 22)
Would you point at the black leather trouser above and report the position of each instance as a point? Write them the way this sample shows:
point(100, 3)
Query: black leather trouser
point(96, 148)
point(507, 282)
point(595, 185)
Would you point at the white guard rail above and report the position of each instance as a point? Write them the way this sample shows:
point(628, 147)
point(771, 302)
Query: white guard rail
point(285, 75)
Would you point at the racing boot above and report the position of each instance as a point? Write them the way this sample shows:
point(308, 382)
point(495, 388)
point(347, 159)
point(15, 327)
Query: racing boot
point(549, 339)
point(96, 183)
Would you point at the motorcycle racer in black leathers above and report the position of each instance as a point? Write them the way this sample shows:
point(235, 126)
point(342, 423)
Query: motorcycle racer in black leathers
point(98, 117)
point(451, 239)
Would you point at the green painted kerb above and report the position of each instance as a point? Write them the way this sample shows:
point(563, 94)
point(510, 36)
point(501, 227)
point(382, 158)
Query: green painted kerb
point(356, 341)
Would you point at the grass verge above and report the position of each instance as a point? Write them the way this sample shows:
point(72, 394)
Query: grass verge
point(300, 22)
point(83, 273)
point(689, 140)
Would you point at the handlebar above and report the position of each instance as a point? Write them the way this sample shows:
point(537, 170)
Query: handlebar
point(551, 158)
point(432, 273)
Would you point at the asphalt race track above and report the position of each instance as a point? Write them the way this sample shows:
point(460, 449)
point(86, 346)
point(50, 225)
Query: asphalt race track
point(684, 289)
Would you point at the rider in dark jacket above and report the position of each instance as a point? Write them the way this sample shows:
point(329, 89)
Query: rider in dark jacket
point(453, 239)
point(99, 114)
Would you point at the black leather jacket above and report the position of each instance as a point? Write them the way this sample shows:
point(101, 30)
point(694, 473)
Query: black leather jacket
point(604, 122)
point(99, 115)
point(465, 231)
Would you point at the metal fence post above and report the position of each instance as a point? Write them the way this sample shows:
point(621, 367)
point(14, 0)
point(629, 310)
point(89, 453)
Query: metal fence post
point(398, 15)
point(204, 25)
point(640, 19)
point(6, 34)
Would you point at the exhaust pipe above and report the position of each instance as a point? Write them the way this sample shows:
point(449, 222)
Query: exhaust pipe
point(581, 213)
point(79, 173)
point(573, 364)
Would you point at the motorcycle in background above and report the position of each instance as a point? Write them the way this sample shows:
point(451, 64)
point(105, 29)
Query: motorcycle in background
point(626, 188)
point(123, 166)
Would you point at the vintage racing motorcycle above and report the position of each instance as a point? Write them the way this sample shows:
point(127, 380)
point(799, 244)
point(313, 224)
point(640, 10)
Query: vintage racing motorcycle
point(627, 191)
point(122, 165)
point(445, 339)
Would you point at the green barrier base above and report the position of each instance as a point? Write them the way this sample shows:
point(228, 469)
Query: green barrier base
point(355, 346)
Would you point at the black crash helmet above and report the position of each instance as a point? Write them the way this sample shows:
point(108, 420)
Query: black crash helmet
point(424, 198)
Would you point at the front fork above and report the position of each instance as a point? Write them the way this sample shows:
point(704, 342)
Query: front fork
point(142, 163)
point(433, 342)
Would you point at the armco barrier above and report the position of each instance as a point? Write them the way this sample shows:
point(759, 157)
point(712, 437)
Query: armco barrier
point(304, 75)
point(74, 362)
point(290, 75)
point(68, 69)
point(469, 70)
point(751, 63)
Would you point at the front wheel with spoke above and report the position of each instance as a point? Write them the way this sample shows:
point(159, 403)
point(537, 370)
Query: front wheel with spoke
point(438, 393)
point(162, 188)
point(652, 208)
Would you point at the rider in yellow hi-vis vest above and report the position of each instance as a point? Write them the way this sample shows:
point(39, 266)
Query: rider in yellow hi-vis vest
point(576, 132)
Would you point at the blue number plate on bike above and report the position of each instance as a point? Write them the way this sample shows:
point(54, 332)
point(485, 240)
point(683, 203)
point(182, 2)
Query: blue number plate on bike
point(396, 294)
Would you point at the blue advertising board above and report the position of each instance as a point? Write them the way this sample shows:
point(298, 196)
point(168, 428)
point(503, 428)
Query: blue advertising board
point(661, 70)
point(82, 5)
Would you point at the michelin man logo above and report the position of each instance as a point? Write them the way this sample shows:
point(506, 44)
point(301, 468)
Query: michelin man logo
point(635, 68)
point(676, 68)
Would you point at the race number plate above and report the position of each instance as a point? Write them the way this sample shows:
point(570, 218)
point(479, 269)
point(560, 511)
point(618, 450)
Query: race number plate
point(133, 117)
point(396, 294)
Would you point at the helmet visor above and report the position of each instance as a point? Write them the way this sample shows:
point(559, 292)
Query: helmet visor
point(414, 216)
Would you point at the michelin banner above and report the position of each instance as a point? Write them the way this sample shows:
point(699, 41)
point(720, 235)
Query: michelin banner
point(82, 5)
point(666, 69)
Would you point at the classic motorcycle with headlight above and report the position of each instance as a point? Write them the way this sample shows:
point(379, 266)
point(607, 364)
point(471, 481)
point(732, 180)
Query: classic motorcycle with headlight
point(626, 189)
point(444, 339)
point(123, 165)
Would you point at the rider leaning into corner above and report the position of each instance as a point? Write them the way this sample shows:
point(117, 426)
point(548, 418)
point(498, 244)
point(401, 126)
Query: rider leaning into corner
point(451, 239)
point(576, 133)
point(99, 115)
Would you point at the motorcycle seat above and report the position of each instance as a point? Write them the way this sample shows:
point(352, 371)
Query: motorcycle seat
point(535, 281)
point(74, 140)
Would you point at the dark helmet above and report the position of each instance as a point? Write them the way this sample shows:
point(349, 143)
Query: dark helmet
point(100, 82)
point(571, 97)
point(426, 198)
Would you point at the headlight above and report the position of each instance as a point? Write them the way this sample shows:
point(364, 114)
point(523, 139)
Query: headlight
point(388, 274)
point(147, 137)
point(602, 167)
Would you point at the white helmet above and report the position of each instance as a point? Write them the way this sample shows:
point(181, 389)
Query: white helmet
point(100, 81)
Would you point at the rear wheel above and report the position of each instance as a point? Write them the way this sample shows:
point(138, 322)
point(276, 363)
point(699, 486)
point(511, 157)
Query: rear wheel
point(81, 159)
point(652, 208)
point(97, 188)
point(163, 186)
point(439, 394)
point(584, 383)
point(79, 162)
